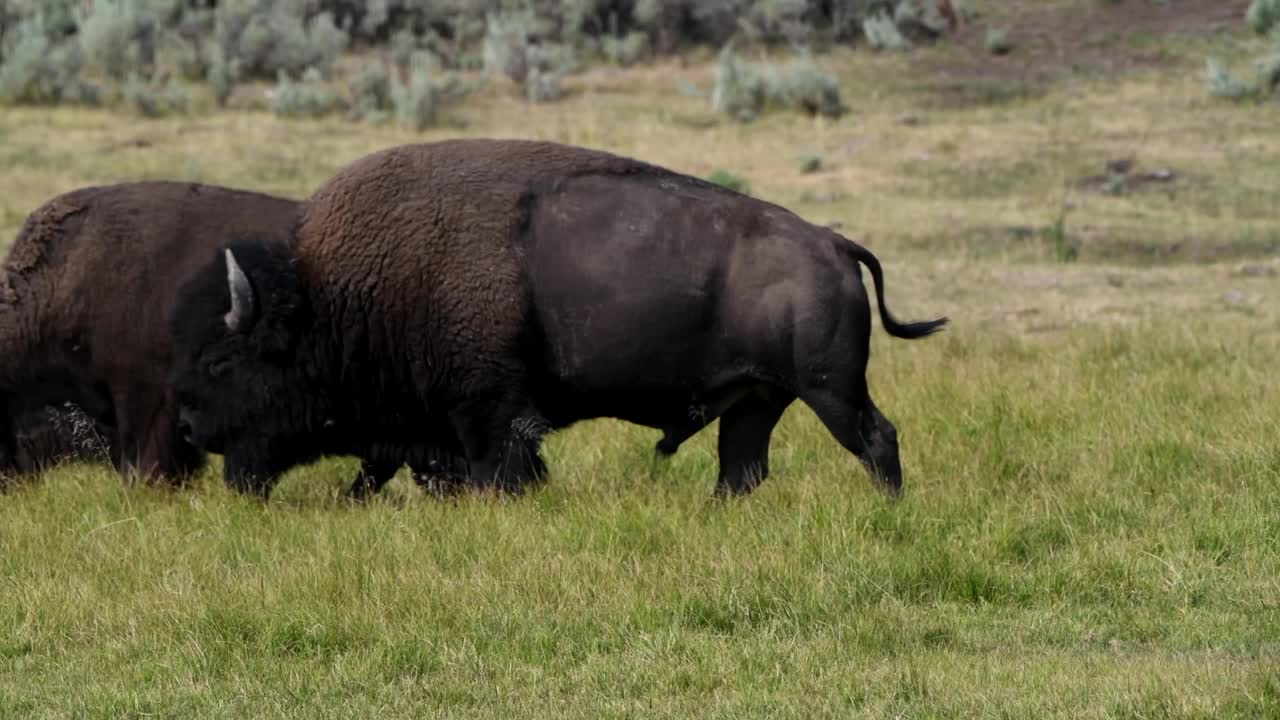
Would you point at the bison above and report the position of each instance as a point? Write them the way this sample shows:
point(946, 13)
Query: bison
point(503, 289)
point(83, 298)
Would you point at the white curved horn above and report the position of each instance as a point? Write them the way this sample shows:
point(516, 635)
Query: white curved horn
point(242, 301)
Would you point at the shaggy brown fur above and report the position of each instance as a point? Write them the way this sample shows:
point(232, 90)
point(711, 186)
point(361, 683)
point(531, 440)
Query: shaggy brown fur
point(84, 299)
point(84, 310)
point(506, 288)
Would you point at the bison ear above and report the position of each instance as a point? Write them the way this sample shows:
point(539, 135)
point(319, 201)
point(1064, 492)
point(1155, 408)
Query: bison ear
point(243, 305)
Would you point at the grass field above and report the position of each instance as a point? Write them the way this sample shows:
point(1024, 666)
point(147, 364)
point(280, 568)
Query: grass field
point(1091, 524)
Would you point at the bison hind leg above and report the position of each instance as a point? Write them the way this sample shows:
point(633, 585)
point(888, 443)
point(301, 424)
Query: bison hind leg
point(863, 430)
point(745, 429)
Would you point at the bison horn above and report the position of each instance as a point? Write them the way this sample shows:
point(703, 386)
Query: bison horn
point(242, 301)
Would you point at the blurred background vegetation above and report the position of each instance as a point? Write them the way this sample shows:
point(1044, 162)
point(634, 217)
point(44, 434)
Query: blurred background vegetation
point(409, 57)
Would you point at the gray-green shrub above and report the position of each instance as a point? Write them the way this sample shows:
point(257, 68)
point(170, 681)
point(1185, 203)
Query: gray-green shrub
point(119, 36)
point(802, 86)
point(38, 70)
point(371, 92)
point(727, 179)
point(222, 76)
point(882, 33)
point(418, 101)
point(1223, 84)
point(153, 99)
point(1264, 15)
point(511, 48)
point(998, 42)
point(744, 90)
point(270, 37)
point(309, 97)
point(199, 40)
point(739, 90)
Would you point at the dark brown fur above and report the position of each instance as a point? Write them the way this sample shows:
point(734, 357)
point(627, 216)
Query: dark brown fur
point(84, 299)
point(507, 288)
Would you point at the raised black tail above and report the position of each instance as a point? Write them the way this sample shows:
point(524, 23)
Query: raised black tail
point(908, 331)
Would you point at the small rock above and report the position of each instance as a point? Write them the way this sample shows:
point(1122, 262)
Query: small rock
point(1162, 175)
point(1233, 297)
point(909, 120)
point(1120, 166)
point(1115, 281)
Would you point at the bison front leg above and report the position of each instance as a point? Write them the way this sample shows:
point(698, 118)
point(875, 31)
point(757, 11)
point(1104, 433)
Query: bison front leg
point(442, 475)
point(165, 455)
point(744, 441)
point(148, 439)
point(8, 443)
point(250, 471)
point(373, 476)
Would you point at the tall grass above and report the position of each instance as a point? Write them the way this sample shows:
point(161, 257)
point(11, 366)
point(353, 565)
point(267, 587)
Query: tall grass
point(1088, 532)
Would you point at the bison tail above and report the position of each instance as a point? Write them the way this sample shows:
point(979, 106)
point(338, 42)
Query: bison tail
point(907, 331)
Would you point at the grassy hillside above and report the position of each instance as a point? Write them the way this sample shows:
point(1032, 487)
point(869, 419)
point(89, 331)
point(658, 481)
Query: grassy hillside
point(1091, 525)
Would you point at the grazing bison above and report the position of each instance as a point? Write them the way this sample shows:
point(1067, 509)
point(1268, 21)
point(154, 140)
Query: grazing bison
point(507, 288)
point(83, 298)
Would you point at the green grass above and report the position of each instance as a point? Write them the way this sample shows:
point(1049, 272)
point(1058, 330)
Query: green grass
point(1091, 526)
point(1089, 531)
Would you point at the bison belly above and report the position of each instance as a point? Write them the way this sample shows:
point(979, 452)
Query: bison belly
point(643, 307)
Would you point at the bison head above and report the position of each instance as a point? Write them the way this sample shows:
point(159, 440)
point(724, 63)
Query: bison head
point(242, 379)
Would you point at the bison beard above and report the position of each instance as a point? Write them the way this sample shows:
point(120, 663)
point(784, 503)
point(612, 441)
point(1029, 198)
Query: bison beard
point(491, 291)
point(82, 300)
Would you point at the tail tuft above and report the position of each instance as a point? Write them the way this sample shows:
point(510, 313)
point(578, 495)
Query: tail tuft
point(906, 331)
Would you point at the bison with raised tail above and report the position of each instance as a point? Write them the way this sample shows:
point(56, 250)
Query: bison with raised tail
point(503, 289)
point(83, 300)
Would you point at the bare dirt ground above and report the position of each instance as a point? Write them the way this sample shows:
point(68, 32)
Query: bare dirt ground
point(1052, 41)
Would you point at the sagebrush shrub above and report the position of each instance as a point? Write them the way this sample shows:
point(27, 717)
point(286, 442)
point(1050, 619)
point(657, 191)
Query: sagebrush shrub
point(727, 179)
point(998, 42)
point(269, 38)
point(626, 50)
point(417, 101)
point(40, 71)
point(222, 76)
point(804, 87)
point(310, 97)
point(511, 48)
point(1264, 15)
point(371, 92)
point(119, 37)
point(744, 90)
point(153, 99)
point(542, 87)
point(1223, 84)
point(533, 42)
point(882, 33)
point(739, 90)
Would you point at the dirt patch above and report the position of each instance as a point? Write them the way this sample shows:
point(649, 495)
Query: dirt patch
point(1052, 42)
point(1121, 177)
